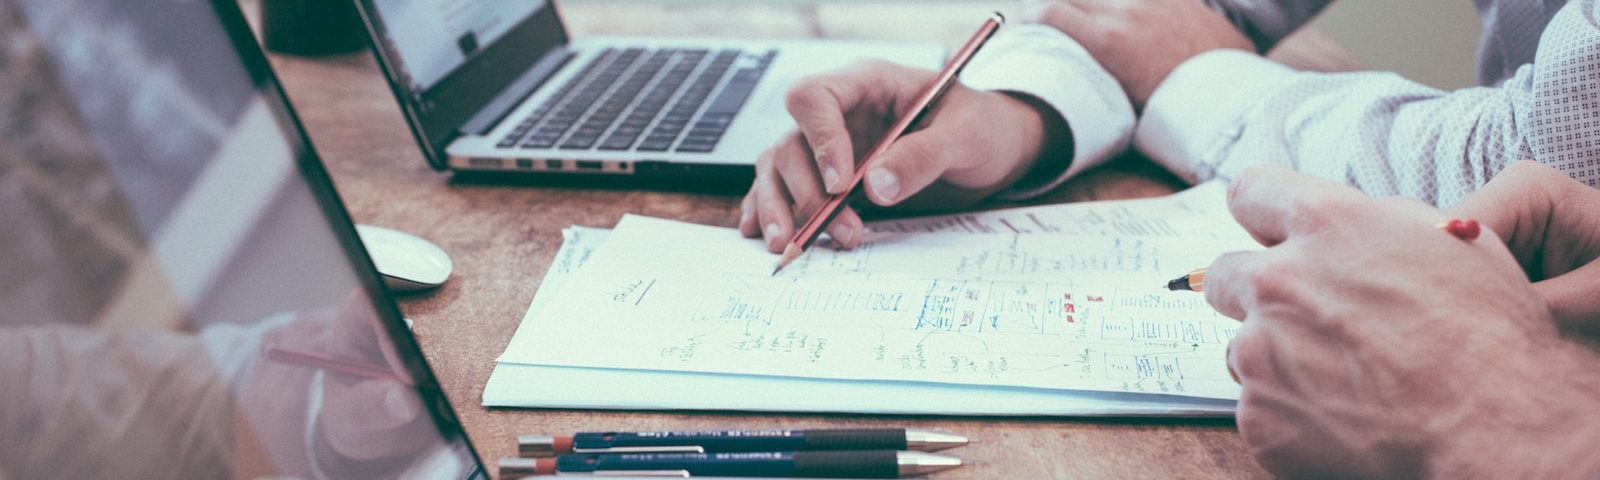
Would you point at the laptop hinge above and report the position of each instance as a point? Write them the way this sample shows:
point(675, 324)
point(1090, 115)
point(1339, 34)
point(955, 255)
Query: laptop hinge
point(496, 110)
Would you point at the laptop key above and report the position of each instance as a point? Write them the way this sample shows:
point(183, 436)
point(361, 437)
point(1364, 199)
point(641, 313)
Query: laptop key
point(578, 143)
point(732, 97)
point(618, 143)
point(655, 144)
point(696, 147)
point(539, 142)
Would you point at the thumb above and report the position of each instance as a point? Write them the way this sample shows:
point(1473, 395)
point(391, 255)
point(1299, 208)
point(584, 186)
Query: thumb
point(372, 419)
point(1572, 300)
point(909, 165)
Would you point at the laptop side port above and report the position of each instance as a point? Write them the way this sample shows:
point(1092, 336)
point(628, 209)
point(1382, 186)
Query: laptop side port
point(487, 162)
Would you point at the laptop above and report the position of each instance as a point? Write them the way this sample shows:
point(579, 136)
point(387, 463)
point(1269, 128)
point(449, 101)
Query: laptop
point(498, 86)
point(184, 295)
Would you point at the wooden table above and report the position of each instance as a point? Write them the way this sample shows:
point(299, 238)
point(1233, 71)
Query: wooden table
point(504, 237)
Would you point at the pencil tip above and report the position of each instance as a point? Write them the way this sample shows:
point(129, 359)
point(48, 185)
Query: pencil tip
point(790, 253)
point(1180, 283)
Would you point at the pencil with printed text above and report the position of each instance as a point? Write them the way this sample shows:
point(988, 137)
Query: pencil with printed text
point(1463, 229)
point(808, 233)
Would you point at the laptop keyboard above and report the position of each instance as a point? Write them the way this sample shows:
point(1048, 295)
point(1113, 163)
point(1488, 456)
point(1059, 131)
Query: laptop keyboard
point(620, 101)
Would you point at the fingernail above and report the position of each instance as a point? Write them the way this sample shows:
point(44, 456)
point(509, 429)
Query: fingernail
point(884, 184)
point(845, 235)
point(830, 178)
point(744, 217)
point(772, 231)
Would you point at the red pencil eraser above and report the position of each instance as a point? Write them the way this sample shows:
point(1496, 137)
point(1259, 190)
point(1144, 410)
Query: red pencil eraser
point(1464, 229)
point(562, 445)
point(545, 466)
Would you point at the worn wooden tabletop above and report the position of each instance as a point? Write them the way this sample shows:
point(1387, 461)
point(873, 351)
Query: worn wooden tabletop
point(503, 237)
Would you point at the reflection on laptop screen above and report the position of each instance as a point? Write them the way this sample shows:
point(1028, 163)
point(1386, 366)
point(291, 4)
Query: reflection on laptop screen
point(434, 37)
point(179, 293)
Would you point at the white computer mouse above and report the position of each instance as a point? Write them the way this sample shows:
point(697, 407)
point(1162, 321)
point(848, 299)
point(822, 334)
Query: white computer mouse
point(406, 261)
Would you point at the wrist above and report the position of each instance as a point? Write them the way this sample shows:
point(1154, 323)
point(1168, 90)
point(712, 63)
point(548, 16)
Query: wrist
point(1046, 147)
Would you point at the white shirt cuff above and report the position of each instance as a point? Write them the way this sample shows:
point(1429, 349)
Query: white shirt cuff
point(1200, 109)
point(1041, 62)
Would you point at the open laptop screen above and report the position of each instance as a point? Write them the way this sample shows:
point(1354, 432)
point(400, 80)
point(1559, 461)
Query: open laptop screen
point(447, 60)
point(436, 37)
point(183, 296)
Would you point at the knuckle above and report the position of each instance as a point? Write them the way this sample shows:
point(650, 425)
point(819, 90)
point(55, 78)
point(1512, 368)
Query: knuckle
point(1244, 182)
point(802, 93)
point(770, 212)
point(1249, 354)
point(1317, 211)
point(805, 205)
point(766, 163)
point(1251, 419)
point(1273, 281)
point(872, 65)
point(914, 156)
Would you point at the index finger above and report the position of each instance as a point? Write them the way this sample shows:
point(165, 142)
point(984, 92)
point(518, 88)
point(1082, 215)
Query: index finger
point(1272, 202)
point(818, 105)
point(1228, 286)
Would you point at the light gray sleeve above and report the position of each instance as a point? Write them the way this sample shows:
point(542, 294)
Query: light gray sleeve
point(1223, 112)
point(1266, 22)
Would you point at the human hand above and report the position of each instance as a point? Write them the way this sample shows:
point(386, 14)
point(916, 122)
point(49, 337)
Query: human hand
point(1140, 42)
point(365, 422)
point(1375, 345)
point(976, 144)
point(1551, 223)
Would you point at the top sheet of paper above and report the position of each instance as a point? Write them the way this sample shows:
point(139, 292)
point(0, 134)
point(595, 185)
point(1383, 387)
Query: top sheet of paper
point(1050, 311)
point(1199, 212)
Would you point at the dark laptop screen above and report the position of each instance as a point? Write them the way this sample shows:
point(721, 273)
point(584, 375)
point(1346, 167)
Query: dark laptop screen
point(182, 293)
point(432, 38)
point(448, 59)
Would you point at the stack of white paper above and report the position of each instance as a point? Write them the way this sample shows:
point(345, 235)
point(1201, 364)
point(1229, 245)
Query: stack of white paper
point(1046, 310)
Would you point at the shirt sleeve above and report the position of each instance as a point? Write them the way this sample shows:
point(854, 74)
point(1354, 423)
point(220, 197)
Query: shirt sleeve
point(1043, 63)
point(1223, 111)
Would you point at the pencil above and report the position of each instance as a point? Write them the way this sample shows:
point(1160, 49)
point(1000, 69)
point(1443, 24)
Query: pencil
point(808, 233)
point(1467, 230)
point(293, 357)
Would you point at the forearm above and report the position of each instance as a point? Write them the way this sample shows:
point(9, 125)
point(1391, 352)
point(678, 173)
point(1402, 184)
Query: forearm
point(128, 401)
point(1223, 111)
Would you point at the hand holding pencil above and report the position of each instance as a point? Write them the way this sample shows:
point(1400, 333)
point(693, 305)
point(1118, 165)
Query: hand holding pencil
point(952, 158)
point(922, 107)
point(1370, 323)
